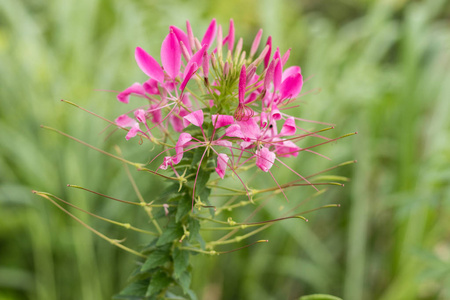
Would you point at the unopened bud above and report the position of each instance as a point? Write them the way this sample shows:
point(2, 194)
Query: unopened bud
point(255, 43)
point(238, 49)
point(250, 72)
point(190, 35)
point(242, 59)
point(205, 65)
point(185, 51)
point(286, 56)
point(198, 45)
point(214, 61)
point(262, 55)
point(226, 69)
point(219, 41)
point(267, 55)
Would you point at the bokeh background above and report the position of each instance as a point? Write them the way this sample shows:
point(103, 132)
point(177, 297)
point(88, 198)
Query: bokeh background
point(383, 70)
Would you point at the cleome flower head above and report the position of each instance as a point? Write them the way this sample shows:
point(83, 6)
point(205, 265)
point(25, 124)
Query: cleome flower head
point(209, 93)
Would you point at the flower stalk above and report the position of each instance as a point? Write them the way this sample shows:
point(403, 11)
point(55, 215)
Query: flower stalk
point(217, 113)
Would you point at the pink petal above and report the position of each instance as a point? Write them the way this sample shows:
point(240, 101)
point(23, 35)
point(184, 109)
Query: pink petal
point(155, 111)
point(209, 34)
point(269, 75)
point(222, 120)
point(290, 71)
point(194, 118)
point(263, 120)
point(166, 162)
point(222, 160)
point(186, 100)
point(171, 55)
point(277, 72)
point(251, 98)
point(176, 123)
point(181, 37)
point(267, 57)
point(234, 131)
point(151, 86)
point(132, 132)
point(231, 35)
point(197, 57)
point(188, 75)
point(286, 149)
point(291, 86)
point(288, 127)
point(196, 60)
point(223, 143)
point(176, 119)
point(125, 121)
point(148, 65)
point(265, 159)
point(256, 42)
point(250, 128)
point(242, 84)
point(183, 139)
point(140, 115)
point(136, 88)
point(276, 114)
point(286, 56)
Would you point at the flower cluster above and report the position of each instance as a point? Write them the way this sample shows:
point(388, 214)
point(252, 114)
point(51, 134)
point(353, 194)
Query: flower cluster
point(219, 98)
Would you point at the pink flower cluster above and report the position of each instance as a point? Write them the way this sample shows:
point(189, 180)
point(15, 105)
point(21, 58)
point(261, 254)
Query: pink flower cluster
point(235, 101)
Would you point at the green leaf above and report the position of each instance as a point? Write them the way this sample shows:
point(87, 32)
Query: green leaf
point(319, 297)
point(198, 153)
point(180, 261)
point(172, 232)
point(168, 193)
point(134, 289)
point(158, 282)
point(184, 207)
point(194, 230)
point(155, 259)
point(202, 191)
point(191, 294)
point(185, 281)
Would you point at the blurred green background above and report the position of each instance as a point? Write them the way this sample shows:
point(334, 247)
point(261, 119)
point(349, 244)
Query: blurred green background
point(383, 70)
